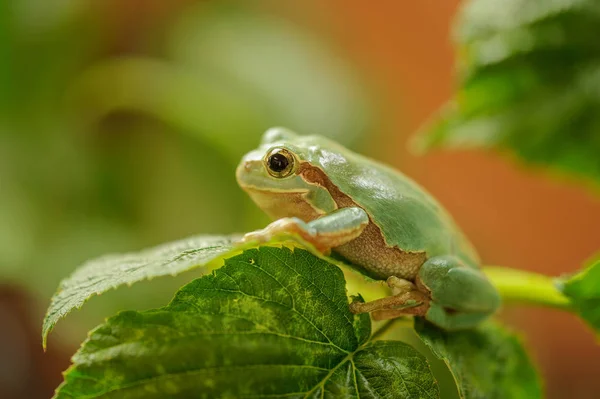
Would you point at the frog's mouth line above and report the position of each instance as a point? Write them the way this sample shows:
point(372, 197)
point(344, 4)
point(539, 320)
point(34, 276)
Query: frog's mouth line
point(250, 188)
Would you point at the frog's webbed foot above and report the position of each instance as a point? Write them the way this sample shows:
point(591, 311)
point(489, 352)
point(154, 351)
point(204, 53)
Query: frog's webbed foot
point(407, 300)
point(400, 285)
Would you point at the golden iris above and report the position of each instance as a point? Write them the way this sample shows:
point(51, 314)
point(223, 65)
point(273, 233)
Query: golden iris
point(280, 162)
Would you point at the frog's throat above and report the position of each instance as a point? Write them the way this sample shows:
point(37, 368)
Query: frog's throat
point(293, 196)
point(280, 204)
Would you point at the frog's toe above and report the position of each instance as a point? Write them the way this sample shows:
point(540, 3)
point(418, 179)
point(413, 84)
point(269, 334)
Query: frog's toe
point(399, 285)
point(256, 237)
point(409, 303)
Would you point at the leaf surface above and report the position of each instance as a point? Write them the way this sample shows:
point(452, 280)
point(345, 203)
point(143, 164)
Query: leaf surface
point(486, 362)
point(270, 323)
point(111, 271)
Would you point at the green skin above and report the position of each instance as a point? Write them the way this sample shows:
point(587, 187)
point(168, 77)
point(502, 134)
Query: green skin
point(377, 219)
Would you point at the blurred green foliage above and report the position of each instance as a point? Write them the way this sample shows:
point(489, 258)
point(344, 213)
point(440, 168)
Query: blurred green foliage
point(529, 74)
point(107, 146)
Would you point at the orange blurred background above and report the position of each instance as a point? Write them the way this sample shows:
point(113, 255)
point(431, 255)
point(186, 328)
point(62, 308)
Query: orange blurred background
point(402, 54)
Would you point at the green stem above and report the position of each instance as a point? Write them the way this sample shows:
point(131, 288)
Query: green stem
point(526, 287)
point(385, 327)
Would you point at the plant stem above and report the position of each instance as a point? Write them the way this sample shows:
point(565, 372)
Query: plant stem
point(383, 329)
point(526, 287)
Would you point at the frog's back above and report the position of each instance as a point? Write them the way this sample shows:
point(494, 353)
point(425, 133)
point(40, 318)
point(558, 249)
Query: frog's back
point(408, 217)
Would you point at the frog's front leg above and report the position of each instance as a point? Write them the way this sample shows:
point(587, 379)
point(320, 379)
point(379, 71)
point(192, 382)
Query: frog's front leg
point(326, 232)
point(461, 296)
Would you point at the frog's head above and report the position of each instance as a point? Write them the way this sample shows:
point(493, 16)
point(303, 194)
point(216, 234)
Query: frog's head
point(280, 178)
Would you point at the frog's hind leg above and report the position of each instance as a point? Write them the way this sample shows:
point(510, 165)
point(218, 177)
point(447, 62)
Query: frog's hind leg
point(450, 320)
point(461, 296)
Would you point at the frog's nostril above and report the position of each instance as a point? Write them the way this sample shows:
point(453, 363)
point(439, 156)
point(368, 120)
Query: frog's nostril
point(247, 167)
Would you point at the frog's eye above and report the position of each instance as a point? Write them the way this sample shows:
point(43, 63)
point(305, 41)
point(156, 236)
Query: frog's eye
point(280, 162)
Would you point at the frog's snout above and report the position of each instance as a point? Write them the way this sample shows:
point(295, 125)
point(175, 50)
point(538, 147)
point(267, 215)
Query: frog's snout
point(242, 169)
point(247, 171)
point(247, 167)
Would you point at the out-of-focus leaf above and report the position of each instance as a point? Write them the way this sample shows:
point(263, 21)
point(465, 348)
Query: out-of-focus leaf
point(295, 77)
point(112, 271)
point(584, 290)
point(529, 84)
point(269, 323)
point(41, 48)
point(487, 362)
point(190, 99)
point(232, 73)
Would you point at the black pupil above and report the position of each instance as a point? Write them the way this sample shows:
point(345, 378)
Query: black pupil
point(278, 162)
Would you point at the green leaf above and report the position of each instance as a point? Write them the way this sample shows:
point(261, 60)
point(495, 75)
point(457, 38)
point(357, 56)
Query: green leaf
point(487, 362)
point(111, 271)
point(206, 252)
point(270, 323)
point(529, 84)
point(584, 291)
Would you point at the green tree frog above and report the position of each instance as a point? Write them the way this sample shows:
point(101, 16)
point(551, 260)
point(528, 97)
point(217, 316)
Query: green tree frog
point(374, 217)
